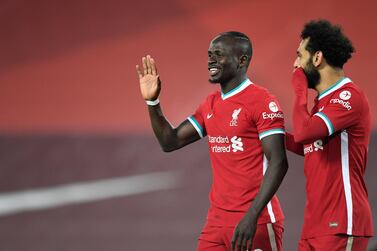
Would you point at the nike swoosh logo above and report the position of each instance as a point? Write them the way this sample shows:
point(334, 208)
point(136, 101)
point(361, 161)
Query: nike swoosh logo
point(209, 115)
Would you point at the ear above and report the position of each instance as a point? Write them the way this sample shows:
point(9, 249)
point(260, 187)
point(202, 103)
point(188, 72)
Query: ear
point(317, 58)
point(243, 60)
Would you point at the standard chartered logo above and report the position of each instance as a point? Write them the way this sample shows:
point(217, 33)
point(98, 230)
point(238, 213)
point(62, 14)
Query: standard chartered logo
point(316, 146)
point(237, 144)
point(221, 144)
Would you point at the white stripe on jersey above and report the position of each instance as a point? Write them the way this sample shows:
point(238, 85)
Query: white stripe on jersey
point(269, 205)
point(271, 132)
point(346, 179)
point(349, 243)
point(328, 123)
point(271, 234)
point(196, 125)
point(335, 87)
point(236, 90)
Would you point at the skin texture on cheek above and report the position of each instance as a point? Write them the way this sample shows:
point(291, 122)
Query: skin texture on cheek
point(227, 69)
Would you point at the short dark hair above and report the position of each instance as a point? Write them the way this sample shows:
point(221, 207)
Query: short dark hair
point(330, 40)
point(240, 37)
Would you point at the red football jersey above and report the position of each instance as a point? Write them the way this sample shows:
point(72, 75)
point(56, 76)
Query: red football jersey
point(337, 199)
point(235, 123)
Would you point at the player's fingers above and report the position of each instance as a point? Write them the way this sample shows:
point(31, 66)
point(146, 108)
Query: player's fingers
point(149, 67)
point(144, 61)
point(153, 66)
point(239, 242)
point(138, 70)
point(249, 245)
point(158, 81)
point(243, 244)
point(234, 239)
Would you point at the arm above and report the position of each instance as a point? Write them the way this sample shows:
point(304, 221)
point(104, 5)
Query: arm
point(169, 138)
point(274, 150)
point(306, 128)
point(292, 146)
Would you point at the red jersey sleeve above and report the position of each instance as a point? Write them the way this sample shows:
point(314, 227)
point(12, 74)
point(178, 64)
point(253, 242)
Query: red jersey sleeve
point(342, 111)
point(268, 116)
point(293, 146)
point(197, 119)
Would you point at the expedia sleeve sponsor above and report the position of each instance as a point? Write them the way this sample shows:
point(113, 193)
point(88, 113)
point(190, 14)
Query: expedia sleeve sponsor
point(269, 117)
point(342, 109)
point(272, 115)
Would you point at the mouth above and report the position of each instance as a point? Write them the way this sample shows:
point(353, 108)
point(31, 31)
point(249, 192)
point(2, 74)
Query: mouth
point(213, 71)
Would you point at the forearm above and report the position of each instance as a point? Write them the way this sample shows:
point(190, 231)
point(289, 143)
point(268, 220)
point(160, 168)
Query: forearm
point(307, 128)
point(163, 130)
point(271, 181)
point(301, 118)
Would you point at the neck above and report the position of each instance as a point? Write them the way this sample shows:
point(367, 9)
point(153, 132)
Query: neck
point(329, 77)
point(232, 83)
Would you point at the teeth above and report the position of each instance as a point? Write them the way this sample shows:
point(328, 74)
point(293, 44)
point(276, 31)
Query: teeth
point(213, 70)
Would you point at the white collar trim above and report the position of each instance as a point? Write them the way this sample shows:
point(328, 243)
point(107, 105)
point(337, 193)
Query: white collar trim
point(334, 87)
point(236, 90)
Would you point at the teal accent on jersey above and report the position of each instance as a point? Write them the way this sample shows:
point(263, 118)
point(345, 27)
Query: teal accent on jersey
point(270, 132)
point(229, 93)
point(197, 126)
point(330, 89)
point(327, 121)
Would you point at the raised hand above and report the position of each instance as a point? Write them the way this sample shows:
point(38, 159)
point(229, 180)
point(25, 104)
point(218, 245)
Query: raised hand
point(299, 82)
point(150, 84)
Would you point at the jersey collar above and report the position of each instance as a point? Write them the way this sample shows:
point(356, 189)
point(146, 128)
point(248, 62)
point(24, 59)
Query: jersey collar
point(334, 87)
point(236, 90)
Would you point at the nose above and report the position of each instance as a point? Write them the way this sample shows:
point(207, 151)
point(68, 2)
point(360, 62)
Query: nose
point(296, 63)
point(211, 59)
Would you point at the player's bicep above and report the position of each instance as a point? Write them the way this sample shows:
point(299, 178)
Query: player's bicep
point(187, 132)
point(274, 147)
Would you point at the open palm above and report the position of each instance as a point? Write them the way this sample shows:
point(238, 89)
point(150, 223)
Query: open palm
point(150, 84)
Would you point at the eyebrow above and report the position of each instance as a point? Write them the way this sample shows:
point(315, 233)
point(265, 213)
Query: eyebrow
point(215, 50)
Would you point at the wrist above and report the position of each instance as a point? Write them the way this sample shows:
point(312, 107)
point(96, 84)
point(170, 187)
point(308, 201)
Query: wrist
point(152, 102)
point(252, 213)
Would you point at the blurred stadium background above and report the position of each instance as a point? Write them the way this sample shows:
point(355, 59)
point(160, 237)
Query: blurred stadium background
point(79, 167)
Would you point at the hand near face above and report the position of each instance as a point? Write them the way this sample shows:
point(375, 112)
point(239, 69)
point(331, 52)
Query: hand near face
point(299, 81)
point(150, 84)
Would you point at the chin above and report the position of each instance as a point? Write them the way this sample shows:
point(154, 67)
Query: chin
point(213, 80)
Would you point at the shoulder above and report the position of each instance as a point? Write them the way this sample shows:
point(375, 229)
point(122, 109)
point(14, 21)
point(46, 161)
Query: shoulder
point(260, 100)
point(351, 97)
point(213, 96)
point(260, 90)
point(261, 94)
point(349, 92)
